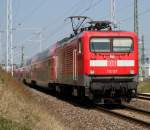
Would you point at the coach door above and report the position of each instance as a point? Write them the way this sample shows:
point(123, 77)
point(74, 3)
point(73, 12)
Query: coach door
point(75, 64)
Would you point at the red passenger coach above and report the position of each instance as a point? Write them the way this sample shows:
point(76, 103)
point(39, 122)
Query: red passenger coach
point(95, 62)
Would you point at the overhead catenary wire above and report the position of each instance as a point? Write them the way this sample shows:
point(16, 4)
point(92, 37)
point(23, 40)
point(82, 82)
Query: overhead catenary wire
point(34, 10)
point(120, 10)
point(91, 5)
point(27, 17)
point(54, 21)
point(130, 17)
point(62, 16)
point(88, 8)
point(78, 7)
point(57, 19)
point(58, 28)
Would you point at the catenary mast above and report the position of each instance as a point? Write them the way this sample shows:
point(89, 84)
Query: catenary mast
point(9, 37)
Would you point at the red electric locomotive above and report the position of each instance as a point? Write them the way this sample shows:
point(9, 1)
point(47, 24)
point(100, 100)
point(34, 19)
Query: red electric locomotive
point(95, 62)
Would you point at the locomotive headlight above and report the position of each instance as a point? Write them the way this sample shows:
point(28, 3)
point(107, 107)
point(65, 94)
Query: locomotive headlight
point(92, 72)
point(133, 91)
point(131, 71)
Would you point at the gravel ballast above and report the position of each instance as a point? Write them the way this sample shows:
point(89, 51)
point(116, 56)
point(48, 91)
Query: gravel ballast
point(77, 117)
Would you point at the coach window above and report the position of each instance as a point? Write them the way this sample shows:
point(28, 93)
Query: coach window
point(100, 44)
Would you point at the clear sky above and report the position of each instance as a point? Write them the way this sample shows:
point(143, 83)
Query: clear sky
point(48, 16)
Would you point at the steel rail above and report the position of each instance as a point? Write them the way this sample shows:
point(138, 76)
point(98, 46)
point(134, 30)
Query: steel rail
point(126, 117)
point(136, 109)
point(143, 96)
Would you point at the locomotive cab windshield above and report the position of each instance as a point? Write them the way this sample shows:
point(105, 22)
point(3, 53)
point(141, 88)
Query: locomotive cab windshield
point(111, 45)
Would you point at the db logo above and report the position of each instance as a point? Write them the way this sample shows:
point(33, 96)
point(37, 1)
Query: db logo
point(111, 63)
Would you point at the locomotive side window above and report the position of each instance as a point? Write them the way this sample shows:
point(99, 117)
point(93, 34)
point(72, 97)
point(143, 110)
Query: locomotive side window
point(122, 45)
point(100, 45)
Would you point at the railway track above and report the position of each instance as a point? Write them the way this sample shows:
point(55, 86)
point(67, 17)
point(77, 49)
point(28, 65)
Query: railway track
point(143, 96)
point(129, 113)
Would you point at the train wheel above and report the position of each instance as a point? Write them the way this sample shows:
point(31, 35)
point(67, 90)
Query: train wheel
point(24, 81)
point(118, 101)
point(81, 93)
point(128, 100)
point(33, 84)
point(52, 87)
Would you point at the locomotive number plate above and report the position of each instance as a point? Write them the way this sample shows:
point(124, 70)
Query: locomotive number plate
point(112, 71)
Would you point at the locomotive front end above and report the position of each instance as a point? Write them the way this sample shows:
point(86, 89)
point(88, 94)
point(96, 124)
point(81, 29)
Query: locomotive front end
point(112, 65)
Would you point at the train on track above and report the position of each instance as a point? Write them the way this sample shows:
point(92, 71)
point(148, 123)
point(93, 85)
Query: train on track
point(95, 62)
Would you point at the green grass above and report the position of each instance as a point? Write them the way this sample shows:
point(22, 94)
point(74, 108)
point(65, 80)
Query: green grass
point(10, 125)
point(144, 87)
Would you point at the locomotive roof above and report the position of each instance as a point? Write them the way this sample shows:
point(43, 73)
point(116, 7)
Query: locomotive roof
point(64, 40)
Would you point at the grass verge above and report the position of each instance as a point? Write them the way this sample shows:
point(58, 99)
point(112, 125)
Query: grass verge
point(10, 125)
point(19, 107)
point(144, 87)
